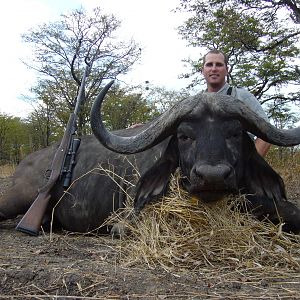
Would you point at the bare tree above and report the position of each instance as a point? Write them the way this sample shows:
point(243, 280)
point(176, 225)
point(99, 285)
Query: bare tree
point(61, 51)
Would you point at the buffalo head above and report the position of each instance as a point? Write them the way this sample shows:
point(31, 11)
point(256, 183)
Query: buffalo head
point(208, 140)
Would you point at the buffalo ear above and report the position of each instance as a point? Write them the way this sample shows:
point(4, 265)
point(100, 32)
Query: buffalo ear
point(262, 180)
point(154, 182)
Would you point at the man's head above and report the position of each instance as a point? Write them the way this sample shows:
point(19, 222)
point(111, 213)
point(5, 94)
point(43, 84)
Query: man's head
point(215, 69)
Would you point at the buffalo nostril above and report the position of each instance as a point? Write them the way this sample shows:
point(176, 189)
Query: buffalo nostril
point(225, 171)
point(210, 174)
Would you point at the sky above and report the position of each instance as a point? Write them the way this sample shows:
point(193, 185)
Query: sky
point(150, 23)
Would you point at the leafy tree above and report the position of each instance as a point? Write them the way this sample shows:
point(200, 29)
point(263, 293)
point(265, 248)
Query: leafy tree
point(63, 48)
point(4, 127)
point(259, 37)
point(123, 108)
point(283, 117)
point(163, 98)
point(43, 127)
point(13, 139)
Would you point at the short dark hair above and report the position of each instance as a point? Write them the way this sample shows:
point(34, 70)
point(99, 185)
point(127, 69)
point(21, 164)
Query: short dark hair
point(215, 51)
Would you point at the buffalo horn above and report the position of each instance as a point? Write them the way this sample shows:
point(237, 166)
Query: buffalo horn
point(154, 132)
point(234, 108)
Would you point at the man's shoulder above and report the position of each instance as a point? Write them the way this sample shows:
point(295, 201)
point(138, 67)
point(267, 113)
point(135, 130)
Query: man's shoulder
point(249, 99)
point(243, 93)
point(242, 89)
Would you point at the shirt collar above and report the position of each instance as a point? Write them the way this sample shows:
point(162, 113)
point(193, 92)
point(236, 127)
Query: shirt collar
point(222, 90)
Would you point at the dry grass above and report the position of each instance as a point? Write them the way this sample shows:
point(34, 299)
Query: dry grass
point(288, 166)
point(7, 170)
point(180, 233)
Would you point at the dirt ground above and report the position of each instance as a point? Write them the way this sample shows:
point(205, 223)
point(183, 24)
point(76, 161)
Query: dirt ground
point(69, 266)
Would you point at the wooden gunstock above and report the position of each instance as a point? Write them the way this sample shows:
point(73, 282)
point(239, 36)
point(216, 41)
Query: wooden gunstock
point(32, 220)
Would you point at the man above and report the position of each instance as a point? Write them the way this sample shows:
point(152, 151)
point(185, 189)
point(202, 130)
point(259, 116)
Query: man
point(215, 72)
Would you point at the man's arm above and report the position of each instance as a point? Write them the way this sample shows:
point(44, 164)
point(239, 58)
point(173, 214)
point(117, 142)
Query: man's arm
point(262, 147)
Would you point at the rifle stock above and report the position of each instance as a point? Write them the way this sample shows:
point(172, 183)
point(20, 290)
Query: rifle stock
point(32, 220)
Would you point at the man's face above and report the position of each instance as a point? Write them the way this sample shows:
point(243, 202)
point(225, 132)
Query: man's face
point(214, 71)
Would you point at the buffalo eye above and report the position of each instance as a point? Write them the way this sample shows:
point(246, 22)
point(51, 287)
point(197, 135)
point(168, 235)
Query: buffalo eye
point(184, 138)
point(234, 134)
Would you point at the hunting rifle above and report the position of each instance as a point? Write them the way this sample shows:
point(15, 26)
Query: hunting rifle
point(61, 168)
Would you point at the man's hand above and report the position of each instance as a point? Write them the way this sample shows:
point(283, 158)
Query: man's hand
point(136, 125)
point(262, 147)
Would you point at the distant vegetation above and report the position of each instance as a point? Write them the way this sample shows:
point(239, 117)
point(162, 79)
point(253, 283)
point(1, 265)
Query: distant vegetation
point(262, 40)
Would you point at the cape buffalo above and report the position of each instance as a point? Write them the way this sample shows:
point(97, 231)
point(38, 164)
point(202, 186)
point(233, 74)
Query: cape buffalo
point(206, 136)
